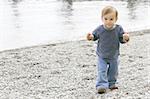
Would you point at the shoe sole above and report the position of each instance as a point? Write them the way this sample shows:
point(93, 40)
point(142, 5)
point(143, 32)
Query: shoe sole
point(101, 90)
point(113, 88)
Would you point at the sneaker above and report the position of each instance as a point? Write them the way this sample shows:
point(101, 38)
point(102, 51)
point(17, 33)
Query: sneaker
point(113, 87)
point(101, 90)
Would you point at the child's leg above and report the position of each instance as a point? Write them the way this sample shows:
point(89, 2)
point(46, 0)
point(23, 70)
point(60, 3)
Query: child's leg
point(102, 80)
point(112, 71)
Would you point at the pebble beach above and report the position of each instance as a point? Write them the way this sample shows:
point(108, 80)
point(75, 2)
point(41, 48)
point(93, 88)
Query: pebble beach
point(68, 71)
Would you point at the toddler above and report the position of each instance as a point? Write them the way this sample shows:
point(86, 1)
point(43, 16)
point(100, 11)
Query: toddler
point(109, 36)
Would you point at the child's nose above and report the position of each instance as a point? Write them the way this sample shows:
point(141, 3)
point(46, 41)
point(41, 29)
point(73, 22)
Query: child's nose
point(108, 22)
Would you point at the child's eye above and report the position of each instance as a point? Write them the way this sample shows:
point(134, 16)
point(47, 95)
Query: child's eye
point(105, 18)
point(111, 19)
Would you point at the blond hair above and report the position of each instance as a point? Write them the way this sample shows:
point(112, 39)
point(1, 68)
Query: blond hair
point(109, 9)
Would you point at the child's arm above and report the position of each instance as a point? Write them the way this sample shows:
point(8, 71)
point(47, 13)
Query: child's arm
point(90, 37)
point(125, 37)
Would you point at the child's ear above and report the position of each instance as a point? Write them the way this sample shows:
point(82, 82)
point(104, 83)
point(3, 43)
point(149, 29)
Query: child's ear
point(116, 18)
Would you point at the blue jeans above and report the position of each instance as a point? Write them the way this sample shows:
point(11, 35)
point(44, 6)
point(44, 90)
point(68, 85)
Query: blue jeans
point(107, 72)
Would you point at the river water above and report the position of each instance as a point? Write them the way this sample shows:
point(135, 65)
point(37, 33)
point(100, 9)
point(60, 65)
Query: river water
point(32, 22)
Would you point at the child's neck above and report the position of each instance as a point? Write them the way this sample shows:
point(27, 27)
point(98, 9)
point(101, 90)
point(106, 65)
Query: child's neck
point(110, 28)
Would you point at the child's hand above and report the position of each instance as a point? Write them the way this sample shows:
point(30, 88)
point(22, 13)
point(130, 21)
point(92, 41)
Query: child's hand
point(125, 37)
point(90, 36)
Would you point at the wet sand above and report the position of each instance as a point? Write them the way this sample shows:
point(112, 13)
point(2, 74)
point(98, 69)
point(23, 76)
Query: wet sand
point(68, 71)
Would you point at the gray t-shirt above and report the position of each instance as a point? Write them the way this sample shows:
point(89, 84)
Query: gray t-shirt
point(108, 41)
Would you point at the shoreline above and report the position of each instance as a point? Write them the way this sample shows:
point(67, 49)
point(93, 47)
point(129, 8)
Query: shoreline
point(132, 33)
point(68, 71)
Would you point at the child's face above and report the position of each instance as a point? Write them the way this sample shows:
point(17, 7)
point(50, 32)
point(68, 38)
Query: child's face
point(109, 19)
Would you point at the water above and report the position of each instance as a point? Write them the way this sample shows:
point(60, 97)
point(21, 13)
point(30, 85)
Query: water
point(33, 22)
